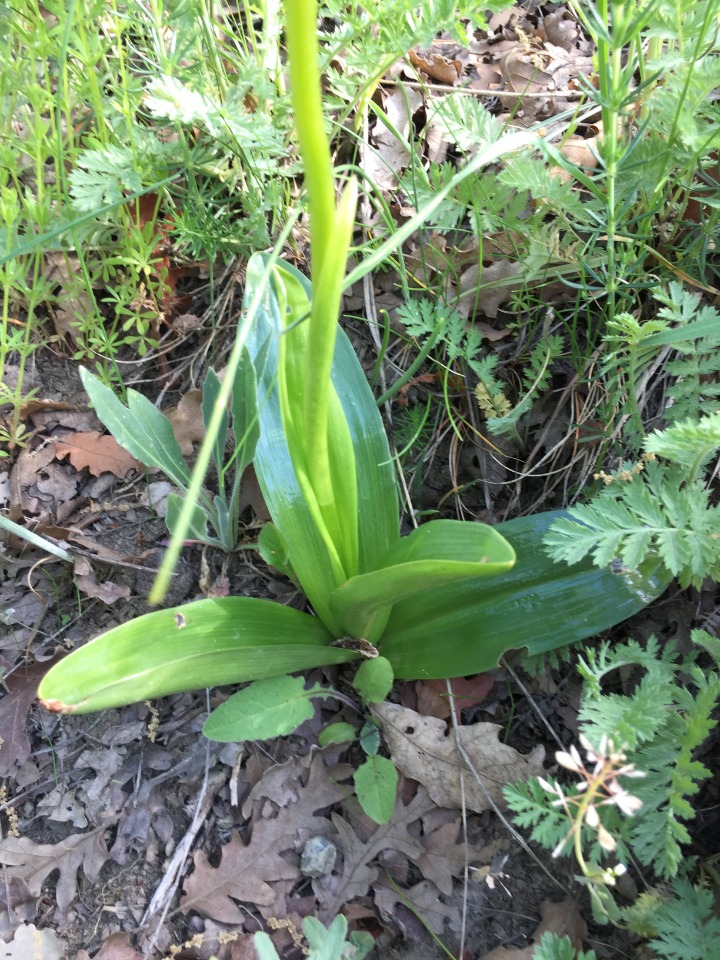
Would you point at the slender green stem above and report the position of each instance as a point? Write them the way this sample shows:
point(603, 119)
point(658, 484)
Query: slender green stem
point(303, 53)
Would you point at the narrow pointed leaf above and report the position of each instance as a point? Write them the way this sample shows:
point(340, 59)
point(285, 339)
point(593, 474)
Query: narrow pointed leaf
point(200, 644)
point(210, 392)
point(140, 428)
point(539, 605)
point(245, 423)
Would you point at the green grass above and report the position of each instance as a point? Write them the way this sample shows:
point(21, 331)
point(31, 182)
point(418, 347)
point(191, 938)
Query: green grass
point(141, 140)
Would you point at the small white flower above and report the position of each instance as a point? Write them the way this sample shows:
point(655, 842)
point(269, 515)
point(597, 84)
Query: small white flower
point(606, 840)
point(592, 818)
point(570, 760)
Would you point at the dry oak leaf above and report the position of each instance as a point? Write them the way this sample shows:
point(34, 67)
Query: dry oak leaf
point(22, 690)
point(421, 900)
point(284, 815)
point(99, 453)
point(360, 851)
point(33, 862)
point(424, 750)
point(212, 891)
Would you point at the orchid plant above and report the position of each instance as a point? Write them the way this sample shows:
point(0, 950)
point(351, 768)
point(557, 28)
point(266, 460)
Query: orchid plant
point(448, 599)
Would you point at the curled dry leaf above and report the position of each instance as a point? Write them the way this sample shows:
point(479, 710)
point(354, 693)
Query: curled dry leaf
point(108, 591)
point(437, 67)
point(187, 421)
point(424, 750)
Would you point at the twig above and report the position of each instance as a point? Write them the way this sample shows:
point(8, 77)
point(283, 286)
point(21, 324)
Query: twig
point(165, 892)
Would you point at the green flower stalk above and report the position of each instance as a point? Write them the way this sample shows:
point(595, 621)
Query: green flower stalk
point(320, 442)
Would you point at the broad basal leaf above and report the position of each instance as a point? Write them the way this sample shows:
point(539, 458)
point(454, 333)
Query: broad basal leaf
point(464, 628)
point(377, 507)
point(201, 644)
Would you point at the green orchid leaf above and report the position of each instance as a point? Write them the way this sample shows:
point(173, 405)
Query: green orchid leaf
point(376, 787)
point(140, 428)
point(377, 504)
point(374, 680)
point(464, 628)
point(200, 644)
point(437, 553)
point(267, 708)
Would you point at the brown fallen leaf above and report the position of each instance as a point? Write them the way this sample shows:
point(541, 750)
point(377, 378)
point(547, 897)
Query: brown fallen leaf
point(34, 862)
point(187, 421)
point(22, 686)
point(116, 947)
point(100, 453)
point(424, 750)
point(434, 700)
point(484, 291)
point(280, 826)
point(419, 901)
point(562, 919)
point(108, 591)
point(437, 67)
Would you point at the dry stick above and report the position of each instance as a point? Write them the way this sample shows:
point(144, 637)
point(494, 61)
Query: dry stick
point(503, 819)
point(463, 812)
point(162, 897)
point(482, 91)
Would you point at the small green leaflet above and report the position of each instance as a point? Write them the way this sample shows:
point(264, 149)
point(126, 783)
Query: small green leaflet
point(376, 788)
point(265, 709)
point(337, 733)
point(374, 680)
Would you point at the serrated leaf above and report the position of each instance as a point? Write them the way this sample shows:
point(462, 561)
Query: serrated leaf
point(265, 709)
point(376, 788)
point(374, 680)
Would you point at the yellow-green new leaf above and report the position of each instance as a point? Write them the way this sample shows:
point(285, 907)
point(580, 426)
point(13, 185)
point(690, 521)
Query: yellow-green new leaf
point(437, 553)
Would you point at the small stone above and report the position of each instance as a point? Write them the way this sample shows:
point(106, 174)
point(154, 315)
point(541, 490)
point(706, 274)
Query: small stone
point(318, 857)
